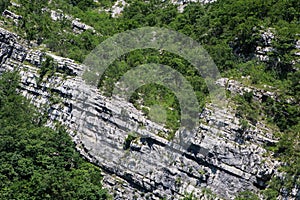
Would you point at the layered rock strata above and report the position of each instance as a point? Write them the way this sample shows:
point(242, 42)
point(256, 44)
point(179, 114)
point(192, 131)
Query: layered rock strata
point(221, 158)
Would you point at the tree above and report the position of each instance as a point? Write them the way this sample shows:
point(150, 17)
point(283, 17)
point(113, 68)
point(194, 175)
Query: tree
point(4, 4)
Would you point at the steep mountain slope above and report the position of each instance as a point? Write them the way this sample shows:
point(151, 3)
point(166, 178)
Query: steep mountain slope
point(236, 149)
point(216, 160)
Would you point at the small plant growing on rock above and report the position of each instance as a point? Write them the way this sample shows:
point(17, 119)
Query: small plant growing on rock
point(201, 171)
point(130, 137)
point(244, 125)
point(245, 195)
point(189, 197)
point(248, 96)
point(209, 194)
point(178, 181)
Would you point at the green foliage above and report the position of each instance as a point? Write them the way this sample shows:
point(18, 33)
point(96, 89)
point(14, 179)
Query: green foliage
point(82, 4)
point(284, 115)
point(37, 162)
point(189, 197)
point(244, 124)
point(130, 137)
point(154, 94)
point(246, 195)
point(248, 96)
point(47, 67)
point(270, 194)
point(209, 194)
point(288, 150)
point(4, 5)
point(225, 26)
point(247, 109)
point(228, 29)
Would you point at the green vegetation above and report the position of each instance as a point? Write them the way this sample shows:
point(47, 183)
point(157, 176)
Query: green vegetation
point(246, 195)
point(151, 95)
point(209, 194)
point(47, 68)
point(244, 124)
point(288, 152)
point(4, 4)
point(189, 197)
point(37, 162)
point(230, 30)
point(130, 137)
point(247, 109)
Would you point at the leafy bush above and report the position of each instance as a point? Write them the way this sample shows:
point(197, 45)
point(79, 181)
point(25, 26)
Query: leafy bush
point(130, 137)
point(3, 5)
point(246, 195)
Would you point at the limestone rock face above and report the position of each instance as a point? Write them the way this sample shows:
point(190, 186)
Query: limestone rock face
point(221, 157)
point(237, 88)
point(77, 26)
point(182, 3)
point(266, 37)
point(118, 8)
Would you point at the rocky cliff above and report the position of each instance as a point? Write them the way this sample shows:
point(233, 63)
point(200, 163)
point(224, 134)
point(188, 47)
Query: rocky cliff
point(223, 158)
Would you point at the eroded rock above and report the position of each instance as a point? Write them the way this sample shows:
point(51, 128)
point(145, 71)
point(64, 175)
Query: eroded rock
point(152, 168)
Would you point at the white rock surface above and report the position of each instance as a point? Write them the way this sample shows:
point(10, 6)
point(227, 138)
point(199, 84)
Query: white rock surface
point(220, 157)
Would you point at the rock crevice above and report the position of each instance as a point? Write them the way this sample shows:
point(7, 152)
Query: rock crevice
point(151, 168)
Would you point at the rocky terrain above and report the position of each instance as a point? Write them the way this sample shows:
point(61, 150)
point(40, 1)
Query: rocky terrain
point(222, 159)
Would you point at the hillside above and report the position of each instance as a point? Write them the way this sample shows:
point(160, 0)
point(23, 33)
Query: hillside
point(245, 144)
